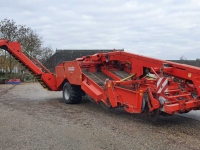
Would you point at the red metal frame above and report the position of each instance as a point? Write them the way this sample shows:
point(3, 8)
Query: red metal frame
point(176, 94)
point(161, 85)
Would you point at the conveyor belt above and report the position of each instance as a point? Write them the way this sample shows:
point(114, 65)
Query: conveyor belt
point(121, 74)
point(100, 77)
point(97, 77)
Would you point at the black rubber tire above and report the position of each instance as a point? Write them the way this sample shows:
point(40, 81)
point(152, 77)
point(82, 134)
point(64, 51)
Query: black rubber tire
point(72, 93)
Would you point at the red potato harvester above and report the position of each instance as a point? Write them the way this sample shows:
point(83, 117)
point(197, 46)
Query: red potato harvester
point(119, 79)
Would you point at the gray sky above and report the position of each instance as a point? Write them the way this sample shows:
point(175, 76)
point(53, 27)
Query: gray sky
point(165, 29)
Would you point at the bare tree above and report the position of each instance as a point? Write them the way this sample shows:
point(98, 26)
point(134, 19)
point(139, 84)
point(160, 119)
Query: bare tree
point(30, 41)
point(46, 53)
point(8, 29)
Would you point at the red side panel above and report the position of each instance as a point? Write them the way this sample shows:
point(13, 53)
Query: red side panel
point(60, 75)
point(50, 80)
point(70, 71)
point(92, 91)
point(73, 72)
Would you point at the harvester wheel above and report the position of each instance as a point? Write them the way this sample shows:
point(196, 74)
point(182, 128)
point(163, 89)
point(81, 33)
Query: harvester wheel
point(153, 115)
point(72, 93)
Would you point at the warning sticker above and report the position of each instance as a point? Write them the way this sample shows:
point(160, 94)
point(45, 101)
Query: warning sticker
point(162, 85)
point(71, 68)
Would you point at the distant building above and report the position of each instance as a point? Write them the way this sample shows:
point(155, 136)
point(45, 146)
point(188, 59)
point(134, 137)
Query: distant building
point(188, 62)
point(67, 55)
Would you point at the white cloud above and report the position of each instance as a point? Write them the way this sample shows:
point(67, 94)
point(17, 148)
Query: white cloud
point(165, 29)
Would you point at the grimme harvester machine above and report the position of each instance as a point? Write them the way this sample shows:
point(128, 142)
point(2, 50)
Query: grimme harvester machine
point(120, 79)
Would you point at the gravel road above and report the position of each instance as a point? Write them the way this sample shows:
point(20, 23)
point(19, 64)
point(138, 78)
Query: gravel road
point(33, 118)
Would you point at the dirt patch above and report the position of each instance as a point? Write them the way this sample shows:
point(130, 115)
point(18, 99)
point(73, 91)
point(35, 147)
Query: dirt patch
point(33, 118)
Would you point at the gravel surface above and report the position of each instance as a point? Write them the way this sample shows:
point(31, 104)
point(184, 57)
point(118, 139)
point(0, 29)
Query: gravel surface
point(33, 118)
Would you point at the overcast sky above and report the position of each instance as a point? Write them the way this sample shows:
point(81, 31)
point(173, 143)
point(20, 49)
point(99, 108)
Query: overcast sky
point(165, 29)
